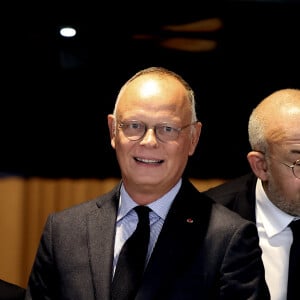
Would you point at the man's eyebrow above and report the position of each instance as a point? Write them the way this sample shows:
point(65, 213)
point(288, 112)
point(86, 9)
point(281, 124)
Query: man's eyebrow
point(295, 151)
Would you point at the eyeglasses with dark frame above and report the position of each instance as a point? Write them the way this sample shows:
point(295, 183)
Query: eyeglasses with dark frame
point(135, 130)
point(295, 166)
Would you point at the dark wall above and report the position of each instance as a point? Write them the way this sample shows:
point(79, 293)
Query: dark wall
point(56, 94)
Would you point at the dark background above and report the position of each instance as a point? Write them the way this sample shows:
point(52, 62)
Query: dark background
point(56, 94)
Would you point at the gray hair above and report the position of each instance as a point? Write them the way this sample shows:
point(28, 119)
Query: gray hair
point(256, 132)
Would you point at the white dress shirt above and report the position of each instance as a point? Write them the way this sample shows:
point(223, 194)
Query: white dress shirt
point(275, 238)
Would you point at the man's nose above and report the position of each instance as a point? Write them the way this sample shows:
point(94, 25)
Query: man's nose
point(149, 137)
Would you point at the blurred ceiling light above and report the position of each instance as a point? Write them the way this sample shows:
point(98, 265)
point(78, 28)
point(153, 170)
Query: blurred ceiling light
point(186, 37)
point(67, 32)
point(187, 44)
point(207, 25)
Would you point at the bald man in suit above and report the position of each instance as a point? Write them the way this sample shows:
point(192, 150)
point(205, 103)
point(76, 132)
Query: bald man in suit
point(197, 249)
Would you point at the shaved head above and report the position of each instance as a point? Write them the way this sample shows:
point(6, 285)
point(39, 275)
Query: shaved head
point(274, 117)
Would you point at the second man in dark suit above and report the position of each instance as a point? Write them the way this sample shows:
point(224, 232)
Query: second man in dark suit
point(270, 196)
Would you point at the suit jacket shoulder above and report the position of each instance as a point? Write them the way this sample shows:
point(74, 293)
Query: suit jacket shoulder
point(237, 194)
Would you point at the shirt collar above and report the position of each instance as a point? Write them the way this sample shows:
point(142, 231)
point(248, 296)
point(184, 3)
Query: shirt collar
point(160, 206)
point(274, 220)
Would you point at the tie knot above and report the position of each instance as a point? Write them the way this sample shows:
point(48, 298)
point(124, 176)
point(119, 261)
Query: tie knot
point(142, 212)
point(295, 226)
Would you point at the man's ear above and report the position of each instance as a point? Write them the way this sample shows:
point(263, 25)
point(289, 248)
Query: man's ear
point(258, 164)
point(112, 129)
point(195, 137)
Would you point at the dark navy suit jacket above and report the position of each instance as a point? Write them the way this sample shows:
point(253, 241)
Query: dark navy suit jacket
point(204, 251)
point(238, 195)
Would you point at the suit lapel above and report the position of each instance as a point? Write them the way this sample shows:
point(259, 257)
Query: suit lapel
point(101, 231)
point(179, 241)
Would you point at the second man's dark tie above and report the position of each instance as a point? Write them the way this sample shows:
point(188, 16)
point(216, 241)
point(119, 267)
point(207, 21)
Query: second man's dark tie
point(131, 263)
point(293, 292)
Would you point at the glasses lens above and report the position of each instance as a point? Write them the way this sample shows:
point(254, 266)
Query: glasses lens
point(166, 133)
point(133, 130)
point(296, 169)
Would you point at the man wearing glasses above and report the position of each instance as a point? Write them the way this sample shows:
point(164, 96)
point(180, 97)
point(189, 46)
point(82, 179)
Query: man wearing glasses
point(189, 247)
point(193, 248)
point(270, 196)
